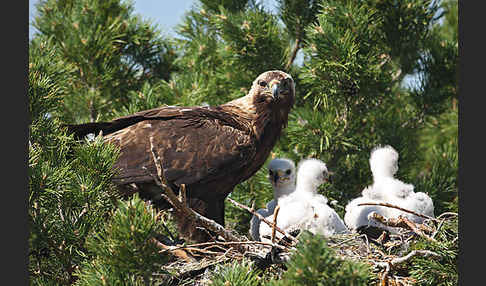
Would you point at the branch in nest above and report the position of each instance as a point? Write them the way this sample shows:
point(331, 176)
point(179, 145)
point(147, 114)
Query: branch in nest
point(413, 253)
point(399, 208)
point(399, 260)
point(176, 251)
point(181, 207)
point(447, 214)
point(388, 265)
point(275, 214)
point(401, 222)
point(218, 243)
point(260, 217)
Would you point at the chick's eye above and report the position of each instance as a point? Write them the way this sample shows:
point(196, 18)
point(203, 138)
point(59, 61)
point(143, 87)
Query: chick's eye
point(288, 172)
point(262, 83)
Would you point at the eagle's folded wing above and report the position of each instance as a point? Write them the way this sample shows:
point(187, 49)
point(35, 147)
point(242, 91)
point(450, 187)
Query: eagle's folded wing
point(194, 147)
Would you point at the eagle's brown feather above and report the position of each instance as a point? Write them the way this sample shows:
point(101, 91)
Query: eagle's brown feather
point(209, 149)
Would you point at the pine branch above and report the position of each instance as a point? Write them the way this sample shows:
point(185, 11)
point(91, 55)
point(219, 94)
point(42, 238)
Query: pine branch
point(295, 50)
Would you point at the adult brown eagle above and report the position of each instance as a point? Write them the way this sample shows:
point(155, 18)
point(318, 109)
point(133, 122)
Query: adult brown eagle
point(210, 149)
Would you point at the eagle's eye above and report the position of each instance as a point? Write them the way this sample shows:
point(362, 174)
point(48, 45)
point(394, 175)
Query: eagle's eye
point(262, 83)
point(288, 172)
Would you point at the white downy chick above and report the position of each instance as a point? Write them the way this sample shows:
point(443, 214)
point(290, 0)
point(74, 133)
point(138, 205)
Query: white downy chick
point(305, 209)
point(386, 189)
point(281, 174)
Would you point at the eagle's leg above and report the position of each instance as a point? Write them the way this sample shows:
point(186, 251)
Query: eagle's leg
point(215, 210)
point(212, 208)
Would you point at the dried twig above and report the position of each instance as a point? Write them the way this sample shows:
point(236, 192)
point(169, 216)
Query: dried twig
point(275, 214)
point(400, 222)
point(447, 214)
point(399, 208)
point(438, 228)
point(205, 252)
point(413, 253)
point(389, 265)
point(156, 158)
point(182, 194)
point(260, 217)
point(399, 260)
point(253, 205)
point(174, 250)
point(217, 243)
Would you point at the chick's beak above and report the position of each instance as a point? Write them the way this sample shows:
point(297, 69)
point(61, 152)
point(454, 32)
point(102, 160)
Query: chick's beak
point(275, 177)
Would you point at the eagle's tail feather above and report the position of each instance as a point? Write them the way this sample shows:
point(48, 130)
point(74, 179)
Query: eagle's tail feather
point(81, 130)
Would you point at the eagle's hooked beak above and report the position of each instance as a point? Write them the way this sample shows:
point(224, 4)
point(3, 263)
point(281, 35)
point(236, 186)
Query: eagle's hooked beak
point(279, 88)
point(275, 91)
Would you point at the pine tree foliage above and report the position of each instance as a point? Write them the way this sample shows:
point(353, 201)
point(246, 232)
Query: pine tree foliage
point(96, 60)
point(437, 68)
point(440, 182)
point(314, 263)
point(123, 250)
point(112, 51)
point(70, 189)
point(444, 270)
point(297, 15)
point(351, 87)
point(235, 273)
point(435, 97)
point(232, 5)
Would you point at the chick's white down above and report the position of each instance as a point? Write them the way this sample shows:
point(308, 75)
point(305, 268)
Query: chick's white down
point(304, 208)
point(386, 189)
point(281, 174)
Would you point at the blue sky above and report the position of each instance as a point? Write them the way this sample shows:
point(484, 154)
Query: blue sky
point(165, 13)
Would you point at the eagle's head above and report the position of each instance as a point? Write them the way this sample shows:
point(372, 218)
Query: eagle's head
point(281, 174)
point(275, 90)
point(267, 104)
point(383, 162)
